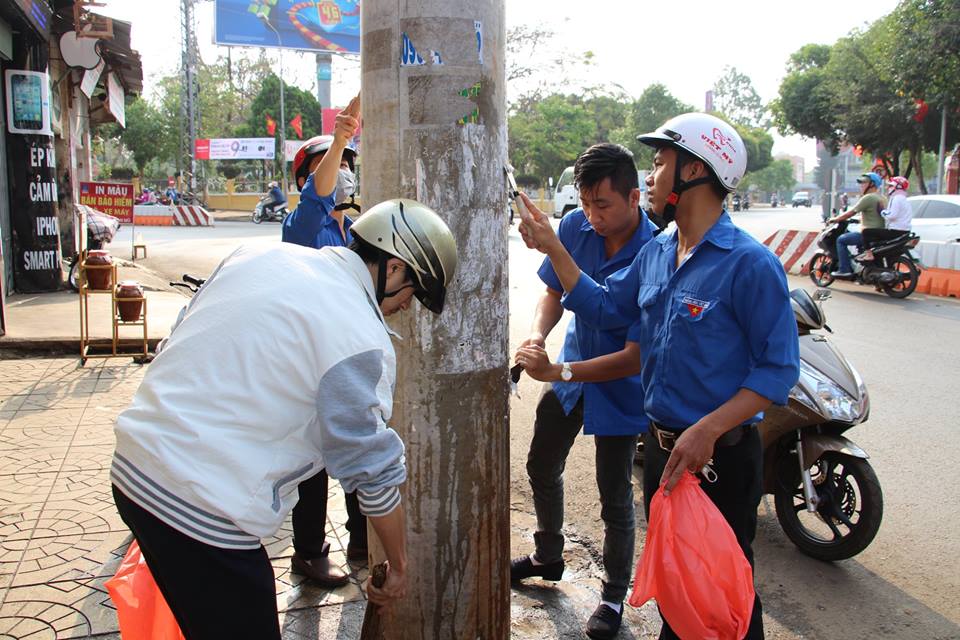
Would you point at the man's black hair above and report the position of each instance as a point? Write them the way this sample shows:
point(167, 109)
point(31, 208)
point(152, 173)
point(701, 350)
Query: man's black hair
point(372, 255)
point(685, 157)
point(367, 252)
point(606, 160)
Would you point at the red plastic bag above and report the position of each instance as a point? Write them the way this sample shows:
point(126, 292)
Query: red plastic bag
point(694, 567)
point(141, 610)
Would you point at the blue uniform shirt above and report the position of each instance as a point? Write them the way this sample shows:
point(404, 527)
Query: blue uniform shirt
point(311, 225)
point(720, 323)
point(614, 407)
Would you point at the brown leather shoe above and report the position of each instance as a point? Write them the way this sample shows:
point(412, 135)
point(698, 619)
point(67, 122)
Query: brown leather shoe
point(321, 571)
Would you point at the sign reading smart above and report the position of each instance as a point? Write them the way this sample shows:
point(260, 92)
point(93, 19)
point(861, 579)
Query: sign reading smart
point(308, 25)
point(235, 148)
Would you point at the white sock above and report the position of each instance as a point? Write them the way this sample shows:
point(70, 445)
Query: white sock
point(616, 606)
point(533, 559)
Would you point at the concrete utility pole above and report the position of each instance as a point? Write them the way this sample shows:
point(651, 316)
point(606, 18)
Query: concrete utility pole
point(434, 118)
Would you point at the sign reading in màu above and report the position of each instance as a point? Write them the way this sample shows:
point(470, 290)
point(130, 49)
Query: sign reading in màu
point(108, 197)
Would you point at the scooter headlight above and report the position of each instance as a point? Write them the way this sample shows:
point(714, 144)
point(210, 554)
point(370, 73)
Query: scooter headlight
point(831, 397)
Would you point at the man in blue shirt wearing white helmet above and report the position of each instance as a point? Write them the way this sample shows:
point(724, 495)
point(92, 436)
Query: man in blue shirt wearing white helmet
point(718, 340)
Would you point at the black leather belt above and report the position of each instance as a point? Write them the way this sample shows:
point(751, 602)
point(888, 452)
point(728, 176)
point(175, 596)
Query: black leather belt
point(667, 438)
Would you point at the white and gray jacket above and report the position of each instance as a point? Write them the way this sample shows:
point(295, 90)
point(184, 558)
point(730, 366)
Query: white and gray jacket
point(281, 366)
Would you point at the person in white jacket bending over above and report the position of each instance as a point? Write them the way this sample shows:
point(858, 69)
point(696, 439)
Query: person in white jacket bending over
point(260, 386)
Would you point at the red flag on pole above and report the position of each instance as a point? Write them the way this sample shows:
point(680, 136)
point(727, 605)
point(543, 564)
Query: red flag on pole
point(271, 125)
point(922, 109)
point(297, 124)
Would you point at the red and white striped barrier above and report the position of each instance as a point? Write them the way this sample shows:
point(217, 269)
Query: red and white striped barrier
point(794, 249)
point(165, 215)
point(190, 216)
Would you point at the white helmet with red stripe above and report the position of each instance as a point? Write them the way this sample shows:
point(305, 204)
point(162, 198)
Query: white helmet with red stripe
point(708, 138)
point(897, 183)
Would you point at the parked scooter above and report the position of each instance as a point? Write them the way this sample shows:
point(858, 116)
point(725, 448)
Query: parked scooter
point(889, 265)
point(274, 213)
point(827, 496)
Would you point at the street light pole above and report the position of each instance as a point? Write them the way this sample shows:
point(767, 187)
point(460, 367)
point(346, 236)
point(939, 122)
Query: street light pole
point(283, 114)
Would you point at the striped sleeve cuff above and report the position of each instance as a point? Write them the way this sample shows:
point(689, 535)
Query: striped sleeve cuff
point(379, 503)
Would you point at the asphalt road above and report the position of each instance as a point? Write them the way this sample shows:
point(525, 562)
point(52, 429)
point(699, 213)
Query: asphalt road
point(907, 583)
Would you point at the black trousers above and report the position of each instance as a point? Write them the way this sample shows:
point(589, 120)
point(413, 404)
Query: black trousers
point(310, 518)
point(213, 593)
point(736, 493)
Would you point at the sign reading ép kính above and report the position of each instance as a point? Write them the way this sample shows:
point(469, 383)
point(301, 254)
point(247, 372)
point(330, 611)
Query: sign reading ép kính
point(111, 198)
point(235, 148)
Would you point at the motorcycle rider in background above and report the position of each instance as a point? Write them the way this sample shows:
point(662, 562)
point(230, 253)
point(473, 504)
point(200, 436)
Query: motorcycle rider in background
point(869, 206)
point(898, 215)
point(277, 199)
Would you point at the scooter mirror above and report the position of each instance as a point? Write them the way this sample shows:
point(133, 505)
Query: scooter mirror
point(822, 294)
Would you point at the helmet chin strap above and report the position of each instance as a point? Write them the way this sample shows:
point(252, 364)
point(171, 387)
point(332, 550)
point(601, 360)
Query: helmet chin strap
point(382, 277)
point(679, 186)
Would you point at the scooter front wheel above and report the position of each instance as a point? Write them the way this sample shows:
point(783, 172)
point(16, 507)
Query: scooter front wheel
point(849, 506)
point(820, 267)
point(257, 217)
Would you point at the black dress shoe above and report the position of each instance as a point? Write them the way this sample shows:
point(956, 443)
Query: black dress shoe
point(523, 567)
point(604, 623)
point(320, 571)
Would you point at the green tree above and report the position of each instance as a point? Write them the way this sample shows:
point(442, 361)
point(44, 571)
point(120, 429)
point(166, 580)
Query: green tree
point(735, 96)
point(547, 137)
point(777, 176)
point(924, 51)
point(655, 106)
point(267, 101)
point(143, 132)
point(805, 104)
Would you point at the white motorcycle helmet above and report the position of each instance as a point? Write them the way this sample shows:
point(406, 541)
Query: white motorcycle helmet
point(707, 138)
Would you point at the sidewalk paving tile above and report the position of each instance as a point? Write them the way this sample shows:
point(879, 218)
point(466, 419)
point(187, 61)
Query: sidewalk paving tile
point(60, 534)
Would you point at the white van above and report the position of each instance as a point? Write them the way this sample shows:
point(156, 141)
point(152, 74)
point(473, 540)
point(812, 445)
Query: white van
point(566, 198)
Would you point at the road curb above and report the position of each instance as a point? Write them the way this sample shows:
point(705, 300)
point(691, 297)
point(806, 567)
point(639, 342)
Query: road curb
point(66, 346)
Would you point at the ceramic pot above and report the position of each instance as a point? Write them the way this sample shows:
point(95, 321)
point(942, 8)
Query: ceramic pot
point(129, 309)
point(98, 279)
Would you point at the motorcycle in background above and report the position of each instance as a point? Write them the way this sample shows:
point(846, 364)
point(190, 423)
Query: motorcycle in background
point(889, 265)
point(263, 211)
point(827, 496)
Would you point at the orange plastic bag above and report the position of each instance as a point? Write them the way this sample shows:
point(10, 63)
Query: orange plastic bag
point(141, 610)
point(694, 567)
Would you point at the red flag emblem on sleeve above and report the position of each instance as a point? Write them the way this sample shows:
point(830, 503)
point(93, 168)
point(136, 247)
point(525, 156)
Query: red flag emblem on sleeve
point(695, 310)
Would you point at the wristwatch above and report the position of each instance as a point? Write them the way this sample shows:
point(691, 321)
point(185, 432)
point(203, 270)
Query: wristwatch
point(566, 373)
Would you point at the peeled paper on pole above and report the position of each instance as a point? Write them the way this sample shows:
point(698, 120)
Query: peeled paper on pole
point(142, 612)
point(693, 567)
